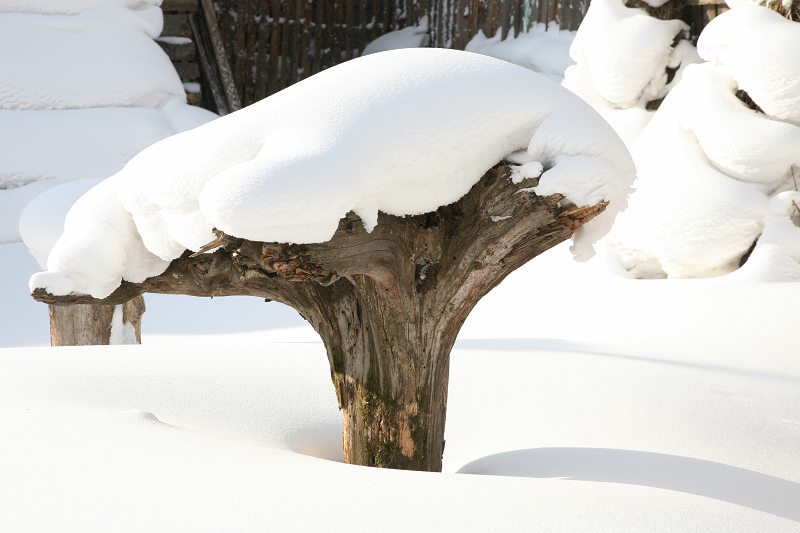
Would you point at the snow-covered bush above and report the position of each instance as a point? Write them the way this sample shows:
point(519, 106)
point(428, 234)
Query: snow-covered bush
point(708, 164)
point(623, 59)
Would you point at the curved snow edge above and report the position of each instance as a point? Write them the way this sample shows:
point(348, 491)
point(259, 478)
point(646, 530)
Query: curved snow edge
point(392, 131)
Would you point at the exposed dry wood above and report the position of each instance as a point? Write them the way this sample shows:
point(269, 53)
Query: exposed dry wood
point(226, 77)
point(208, 68)
point(387, 304)
point(90, 324)
point(671, 9)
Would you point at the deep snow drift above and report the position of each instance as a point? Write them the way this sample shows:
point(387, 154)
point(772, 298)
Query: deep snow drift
point(708, 165)
point(84, 89)
point(621, 59)
point(358, 137)
point(105, 35)
point(666, 405)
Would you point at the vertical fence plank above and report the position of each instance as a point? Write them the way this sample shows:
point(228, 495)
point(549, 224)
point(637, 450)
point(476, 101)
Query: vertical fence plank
point(274, 47)
point(239, 46)
point(363, 31)
point(305, 61)
point(227, 29)
point(251, 45)
point(349, 34)
point(295, 40)
point(262, 66)
point(316, 64)
point(284, 67)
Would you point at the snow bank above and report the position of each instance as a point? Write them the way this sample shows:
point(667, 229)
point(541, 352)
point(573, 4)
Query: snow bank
point(67, 61)
point(76, 143)
point(395, 132)
point(626, 52)
point(708, 165)
point(541, 49)
point(70, 7)
point(621, 59)
point(760, 48)
point(410, 37)
point(103, 57)
point(41, 222)
point(776, 256)
point(12, 202)
point(600, 425)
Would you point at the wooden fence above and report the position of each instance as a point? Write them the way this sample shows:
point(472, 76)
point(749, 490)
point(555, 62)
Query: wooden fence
point(272, 44)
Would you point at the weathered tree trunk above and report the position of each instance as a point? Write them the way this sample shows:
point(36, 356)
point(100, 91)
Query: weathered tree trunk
point(387, 304)
point(91, 324)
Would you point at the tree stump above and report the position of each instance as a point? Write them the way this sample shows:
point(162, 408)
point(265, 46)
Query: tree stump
point(92, 324)
point(387, 304)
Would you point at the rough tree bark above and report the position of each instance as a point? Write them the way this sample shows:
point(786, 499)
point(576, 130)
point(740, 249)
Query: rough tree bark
point(387, 304)
point(90, 324)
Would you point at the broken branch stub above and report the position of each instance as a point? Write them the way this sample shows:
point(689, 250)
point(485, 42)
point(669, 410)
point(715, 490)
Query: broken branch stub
point(387, 304)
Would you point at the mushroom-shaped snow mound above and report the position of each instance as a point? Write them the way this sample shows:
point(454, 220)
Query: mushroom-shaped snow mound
point(403, 132)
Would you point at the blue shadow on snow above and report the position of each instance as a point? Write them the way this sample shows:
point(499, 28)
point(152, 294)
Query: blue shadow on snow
point(723, 482)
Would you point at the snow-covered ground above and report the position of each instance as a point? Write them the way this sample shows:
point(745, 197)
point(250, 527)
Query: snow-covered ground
point(580, 400)
point(589, 402)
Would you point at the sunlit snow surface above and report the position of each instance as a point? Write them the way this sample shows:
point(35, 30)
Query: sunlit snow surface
point(403, 132)
point(589, 401)
point(593, 403)
point(57, 42)
point(760, 48)
point(541, 49)
point(707, 166)
point(83, 89)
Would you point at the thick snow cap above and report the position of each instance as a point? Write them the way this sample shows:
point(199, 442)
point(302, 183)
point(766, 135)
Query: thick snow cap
point(403, 132)
point(760, 48)
point(709, 167)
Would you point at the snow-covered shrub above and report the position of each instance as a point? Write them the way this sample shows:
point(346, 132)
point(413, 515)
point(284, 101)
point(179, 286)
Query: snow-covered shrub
point(625, 59)
point(708, 164)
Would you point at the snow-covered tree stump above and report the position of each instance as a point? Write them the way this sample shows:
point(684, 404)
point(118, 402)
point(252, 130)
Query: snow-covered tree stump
point(376, 198)
point(387, 304)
